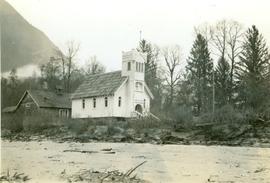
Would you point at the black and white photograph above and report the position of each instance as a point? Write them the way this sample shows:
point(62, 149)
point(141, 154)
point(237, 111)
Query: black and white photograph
point(135, 91)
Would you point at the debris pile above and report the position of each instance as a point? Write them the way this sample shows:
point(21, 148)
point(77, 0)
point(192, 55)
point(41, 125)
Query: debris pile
point(16, 177)
point(105, 177)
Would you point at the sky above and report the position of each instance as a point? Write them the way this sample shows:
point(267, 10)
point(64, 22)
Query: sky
point(105, 28)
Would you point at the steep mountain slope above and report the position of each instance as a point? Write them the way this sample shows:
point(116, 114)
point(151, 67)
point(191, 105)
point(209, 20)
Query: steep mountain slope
point(21, 43)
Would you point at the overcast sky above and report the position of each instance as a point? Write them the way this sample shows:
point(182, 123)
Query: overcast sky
point(106, 27)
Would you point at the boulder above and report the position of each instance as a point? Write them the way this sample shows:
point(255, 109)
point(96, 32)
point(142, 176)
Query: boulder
point(130, 132)
point(118, 130)
point(5, 132)
point(101, 130)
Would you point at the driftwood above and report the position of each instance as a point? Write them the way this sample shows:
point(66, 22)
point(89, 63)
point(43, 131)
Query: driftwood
point(16, 177)
point(105, 151)
point(129, 172)
point(90, 152)
point(102, 177)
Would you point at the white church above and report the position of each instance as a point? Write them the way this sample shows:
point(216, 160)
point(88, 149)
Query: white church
point(115, 94)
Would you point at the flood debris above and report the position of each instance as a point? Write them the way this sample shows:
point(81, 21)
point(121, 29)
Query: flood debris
point(105, 177)
point(16, 177)
point(251, 134)
point(104, 151)
point(259, 170)
point(80, 151)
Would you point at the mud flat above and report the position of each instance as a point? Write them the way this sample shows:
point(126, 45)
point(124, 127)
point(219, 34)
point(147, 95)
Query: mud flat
point(48, 161)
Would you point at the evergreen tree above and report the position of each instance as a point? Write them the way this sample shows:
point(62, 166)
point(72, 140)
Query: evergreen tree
point(151, 62)
point(222, 82)
point(253, 71)
point(151, 72)
point(199, 74)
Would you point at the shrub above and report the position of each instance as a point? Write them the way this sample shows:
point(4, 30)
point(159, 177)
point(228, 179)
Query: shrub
point(227, 114)
point(12, 122)
point(78, 126)
point(223, 115)
point(183, 115)
point(144, 123)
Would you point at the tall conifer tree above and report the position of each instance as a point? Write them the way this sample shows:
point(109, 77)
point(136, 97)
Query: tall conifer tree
point(253, 71)
point(199, 74)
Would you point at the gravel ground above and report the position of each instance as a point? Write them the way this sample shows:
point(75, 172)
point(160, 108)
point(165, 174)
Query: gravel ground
point(48, 161)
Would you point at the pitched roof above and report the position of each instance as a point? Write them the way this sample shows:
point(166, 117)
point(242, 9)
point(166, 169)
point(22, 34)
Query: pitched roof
point(100, 85)
point(9, 109)
point(48, 99)
point(51, 99)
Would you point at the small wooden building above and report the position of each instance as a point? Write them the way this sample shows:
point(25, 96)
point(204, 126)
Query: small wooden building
point(52, 103)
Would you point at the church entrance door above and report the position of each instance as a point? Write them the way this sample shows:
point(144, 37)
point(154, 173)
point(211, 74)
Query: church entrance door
point(138, 108)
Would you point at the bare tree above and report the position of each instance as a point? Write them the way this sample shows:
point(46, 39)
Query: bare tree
point(93, 67)
point(224, 39)
point(72, 50)
point(62, 58)
point(205, 30)
point(234, 40)
point(171, 56)
point(219, 38)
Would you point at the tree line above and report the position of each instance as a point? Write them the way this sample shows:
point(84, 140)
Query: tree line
point(228, 67)
point(60, 72)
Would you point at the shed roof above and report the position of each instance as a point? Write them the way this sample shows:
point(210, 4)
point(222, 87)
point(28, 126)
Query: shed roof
point(100, 85)
point(50, 99)
point(9, 109)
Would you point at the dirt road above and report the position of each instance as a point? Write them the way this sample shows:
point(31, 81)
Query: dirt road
point(45, 161)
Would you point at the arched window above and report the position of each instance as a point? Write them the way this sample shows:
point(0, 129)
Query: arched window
point(106, 101)
point(83, 103)
point(129, 66)
point(94, 102)
point(139, 86)
point(119, 101)
point(144, 103)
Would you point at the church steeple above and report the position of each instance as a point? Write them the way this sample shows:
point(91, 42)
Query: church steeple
point(133, 64)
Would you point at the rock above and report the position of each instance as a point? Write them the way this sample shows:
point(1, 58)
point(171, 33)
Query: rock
point(119, 138)
point(118, 130)
point(130, 132)
point(91, 129)
point(5, 132)
point(101, 130)
point(139, 140)
point(170, 139)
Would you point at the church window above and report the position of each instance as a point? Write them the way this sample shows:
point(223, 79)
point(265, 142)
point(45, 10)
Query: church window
point(83, 103)
point(94, 102)
point(144, 101)
point(106, 101)
point(119, 101)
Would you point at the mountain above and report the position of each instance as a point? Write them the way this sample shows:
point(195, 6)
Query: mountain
point(21, 43)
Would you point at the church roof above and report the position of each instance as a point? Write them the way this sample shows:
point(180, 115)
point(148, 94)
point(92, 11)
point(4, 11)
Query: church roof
point(100, 85)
